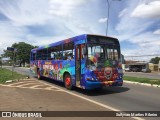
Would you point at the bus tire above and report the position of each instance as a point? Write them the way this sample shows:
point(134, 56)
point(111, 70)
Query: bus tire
point(39, 75)
point(68, 82)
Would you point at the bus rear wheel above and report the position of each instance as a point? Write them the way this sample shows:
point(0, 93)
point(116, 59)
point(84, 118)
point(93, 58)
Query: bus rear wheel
point(68, 82)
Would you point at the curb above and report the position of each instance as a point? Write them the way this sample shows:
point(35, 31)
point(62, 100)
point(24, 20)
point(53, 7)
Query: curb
point(145, 84)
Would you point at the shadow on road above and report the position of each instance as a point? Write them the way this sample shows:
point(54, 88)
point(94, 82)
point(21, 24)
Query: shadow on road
point(95, 92)
point(103, 91)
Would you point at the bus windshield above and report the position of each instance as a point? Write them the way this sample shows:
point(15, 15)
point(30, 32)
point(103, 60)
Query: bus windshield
point(98, 53)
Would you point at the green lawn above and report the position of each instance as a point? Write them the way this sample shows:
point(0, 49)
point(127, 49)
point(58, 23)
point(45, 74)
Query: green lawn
point(6, 74)
point(142, 80)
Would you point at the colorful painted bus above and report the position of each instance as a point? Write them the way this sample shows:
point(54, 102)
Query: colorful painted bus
point(86, 61)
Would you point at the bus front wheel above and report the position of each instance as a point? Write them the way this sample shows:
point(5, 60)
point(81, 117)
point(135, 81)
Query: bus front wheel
point(68, 82)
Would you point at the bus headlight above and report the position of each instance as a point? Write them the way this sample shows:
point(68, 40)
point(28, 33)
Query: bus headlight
point(120, 71)
point(92, 68)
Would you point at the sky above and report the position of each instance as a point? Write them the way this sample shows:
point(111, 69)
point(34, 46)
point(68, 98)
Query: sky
point(136, 23)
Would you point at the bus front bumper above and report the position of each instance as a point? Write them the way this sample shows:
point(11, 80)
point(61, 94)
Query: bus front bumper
point(95, 84)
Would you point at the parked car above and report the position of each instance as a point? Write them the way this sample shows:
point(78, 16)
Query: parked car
point(136, 69)
point(127, 68)
point(145, 70)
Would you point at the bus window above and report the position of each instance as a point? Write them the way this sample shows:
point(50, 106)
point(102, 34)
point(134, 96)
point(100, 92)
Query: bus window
point(115, 54)
point(68, 49)
point(33, 56)
point(112, 54)
point(42, 54)
point(54, 53)
point(97, 51)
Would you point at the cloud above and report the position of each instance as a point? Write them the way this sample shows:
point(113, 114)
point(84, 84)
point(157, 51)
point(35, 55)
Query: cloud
point(24, 13)
point(157, 32)
point(137, 31)
point(46, 21)
point(123, 12)
point(64, 8)
point(147, 44)
point(147, 10)
point(102, 20)
point(31, 21)
point(10, 34)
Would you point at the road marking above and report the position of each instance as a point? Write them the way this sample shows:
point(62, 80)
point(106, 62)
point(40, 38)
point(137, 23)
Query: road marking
point(17, 83)
point(92, 101)
point(35, 86)
point(71, 93)
point(25, 84)
point(31, 84)
point(31, 88)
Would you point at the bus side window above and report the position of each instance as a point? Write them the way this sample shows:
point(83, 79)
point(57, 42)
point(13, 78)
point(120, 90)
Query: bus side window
point(52, 56)
point(33, 56)
point(54, 53)
point(68, 49)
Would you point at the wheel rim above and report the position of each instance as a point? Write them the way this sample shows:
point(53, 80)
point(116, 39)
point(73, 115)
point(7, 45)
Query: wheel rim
point(68, 81)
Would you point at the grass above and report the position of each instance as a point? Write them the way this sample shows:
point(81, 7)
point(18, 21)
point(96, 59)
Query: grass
point(6, 74)
point(142, 80)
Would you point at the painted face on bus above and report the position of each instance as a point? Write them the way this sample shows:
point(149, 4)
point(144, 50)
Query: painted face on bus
point(108, 72)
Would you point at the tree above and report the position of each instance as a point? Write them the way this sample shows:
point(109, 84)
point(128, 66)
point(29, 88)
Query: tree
point(155, 60)
point(22, 53)
point(0, 61)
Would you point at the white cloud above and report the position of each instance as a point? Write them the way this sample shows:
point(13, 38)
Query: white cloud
point(157, 32)
point(23, 13)
point(64, 8)
point(123, 12)
point(147, 10)
point(147, 44)
point(130, 28)
point(102, 20)
point(10, 34)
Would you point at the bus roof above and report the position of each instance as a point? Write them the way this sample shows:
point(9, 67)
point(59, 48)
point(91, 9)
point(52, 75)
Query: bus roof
point(79, 37)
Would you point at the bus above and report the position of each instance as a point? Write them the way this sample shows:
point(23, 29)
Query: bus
point(86, 61)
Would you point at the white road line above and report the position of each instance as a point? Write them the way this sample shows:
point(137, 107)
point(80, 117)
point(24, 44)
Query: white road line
point(25, 84)
point(92, 101)
point(12, 84)
point(35, 86)
point(29, 88)
point(15, 83)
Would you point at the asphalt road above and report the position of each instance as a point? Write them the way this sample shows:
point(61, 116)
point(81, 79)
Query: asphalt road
point(130, 97)
point(153, 75)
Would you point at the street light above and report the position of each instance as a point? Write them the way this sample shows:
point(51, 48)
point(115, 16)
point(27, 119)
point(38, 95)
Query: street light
point(108, 14)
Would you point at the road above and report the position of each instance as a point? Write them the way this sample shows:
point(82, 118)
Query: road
point(130, 97)
point(153, 75)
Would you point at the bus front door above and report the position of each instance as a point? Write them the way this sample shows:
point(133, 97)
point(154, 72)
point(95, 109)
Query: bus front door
point(78, 64)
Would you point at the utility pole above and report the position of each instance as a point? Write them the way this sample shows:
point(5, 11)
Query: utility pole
point(108, 15)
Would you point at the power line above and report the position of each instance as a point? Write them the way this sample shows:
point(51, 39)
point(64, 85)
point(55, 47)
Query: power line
point(143, 55)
